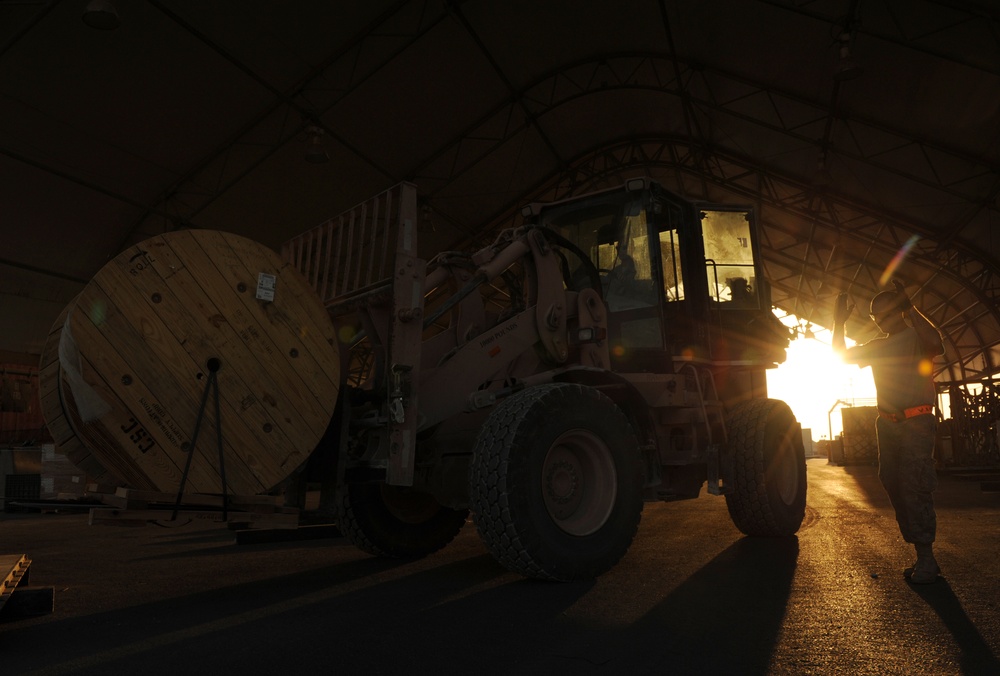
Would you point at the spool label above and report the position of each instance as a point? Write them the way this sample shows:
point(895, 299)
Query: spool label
point(265, 286)
point(137, 435)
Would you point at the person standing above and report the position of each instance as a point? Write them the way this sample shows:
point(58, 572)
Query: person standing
point(906, 426)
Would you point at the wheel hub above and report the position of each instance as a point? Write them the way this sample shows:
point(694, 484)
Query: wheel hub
point(561, 482)
point(579, 482)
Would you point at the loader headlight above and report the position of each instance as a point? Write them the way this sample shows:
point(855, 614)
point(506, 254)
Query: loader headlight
point(588, 334)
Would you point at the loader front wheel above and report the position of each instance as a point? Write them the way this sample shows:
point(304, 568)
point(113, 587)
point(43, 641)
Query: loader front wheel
point(556, 483)
point(395, 521)
point(768, 495)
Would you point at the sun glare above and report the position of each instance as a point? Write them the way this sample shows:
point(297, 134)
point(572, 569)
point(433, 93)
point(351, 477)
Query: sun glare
point(813, 380)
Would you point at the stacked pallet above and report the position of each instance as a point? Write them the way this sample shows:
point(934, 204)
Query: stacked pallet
point(20, 413)
point(860, 440)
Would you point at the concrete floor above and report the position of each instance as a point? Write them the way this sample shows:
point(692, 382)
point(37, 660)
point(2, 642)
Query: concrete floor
point(692, 597)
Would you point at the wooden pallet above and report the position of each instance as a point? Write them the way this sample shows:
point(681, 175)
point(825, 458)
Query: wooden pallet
point(17, 599)
point(14, 570)
point(132, 507)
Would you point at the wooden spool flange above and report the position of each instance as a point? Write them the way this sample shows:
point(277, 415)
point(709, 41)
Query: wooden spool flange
point(56, 412)
point(137, 347)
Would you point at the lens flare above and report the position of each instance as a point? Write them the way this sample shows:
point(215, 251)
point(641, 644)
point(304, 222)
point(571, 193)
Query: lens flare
point(897, 260)
point(347, 334)
point(926, 367)
point(98, 312)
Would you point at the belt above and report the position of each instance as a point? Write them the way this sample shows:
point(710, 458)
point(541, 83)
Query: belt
point(926, 409)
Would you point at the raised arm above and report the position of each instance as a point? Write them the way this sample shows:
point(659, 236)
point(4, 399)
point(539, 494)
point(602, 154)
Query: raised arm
point(842, 310)
point(929, 335)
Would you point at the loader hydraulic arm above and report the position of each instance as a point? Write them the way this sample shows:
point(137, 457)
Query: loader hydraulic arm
point(548, 328)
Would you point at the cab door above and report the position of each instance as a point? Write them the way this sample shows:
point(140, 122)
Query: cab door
point(684, 298)
point(745, 330)
point(632, 289)
point(731, 258)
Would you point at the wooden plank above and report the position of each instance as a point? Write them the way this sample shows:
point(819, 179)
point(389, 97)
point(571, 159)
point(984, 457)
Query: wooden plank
point(362, 220)
point(148, 464)
point(274, 332)
point(258, 377)
point(131, 498)
point(12, 568)
point(112, 516)
point(93, 439)
point(387, 235)
point(297, 320)
point(348, 252)
point(168, 379)
point(324, 285)
point(335, 277)
point(154, 420)
point(372, 246)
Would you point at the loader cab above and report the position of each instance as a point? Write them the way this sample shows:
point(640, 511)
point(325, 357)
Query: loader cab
point(675, 276)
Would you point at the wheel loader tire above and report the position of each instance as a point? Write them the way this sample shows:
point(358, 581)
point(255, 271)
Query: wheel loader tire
point(769, 492)
point(395, 521)
point(556, 483)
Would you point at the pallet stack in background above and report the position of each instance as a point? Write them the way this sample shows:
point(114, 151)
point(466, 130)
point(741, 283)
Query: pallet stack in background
point(30, 467)
point(860, 442)
point(21, 420)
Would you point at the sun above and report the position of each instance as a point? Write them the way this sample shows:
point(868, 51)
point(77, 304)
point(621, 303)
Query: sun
point(813, 380)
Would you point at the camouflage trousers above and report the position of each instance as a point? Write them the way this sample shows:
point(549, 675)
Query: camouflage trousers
point(906, 469)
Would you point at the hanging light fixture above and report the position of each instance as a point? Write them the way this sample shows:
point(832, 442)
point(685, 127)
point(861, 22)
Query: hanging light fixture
point(315, 152)
point(821, 179)
point(847, 68)
point(101, 14)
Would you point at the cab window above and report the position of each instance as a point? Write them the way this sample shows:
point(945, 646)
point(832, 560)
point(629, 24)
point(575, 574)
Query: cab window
point(624, 260)
point(729, 258)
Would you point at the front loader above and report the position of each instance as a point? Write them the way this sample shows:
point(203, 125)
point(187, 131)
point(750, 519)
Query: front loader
point(611, 350)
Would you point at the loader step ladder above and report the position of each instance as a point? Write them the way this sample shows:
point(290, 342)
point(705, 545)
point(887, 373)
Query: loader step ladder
point(715, 421)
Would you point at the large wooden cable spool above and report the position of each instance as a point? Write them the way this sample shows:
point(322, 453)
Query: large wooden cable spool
point(139, 346)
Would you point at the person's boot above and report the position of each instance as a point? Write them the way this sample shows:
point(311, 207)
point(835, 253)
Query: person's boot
point(926, 569)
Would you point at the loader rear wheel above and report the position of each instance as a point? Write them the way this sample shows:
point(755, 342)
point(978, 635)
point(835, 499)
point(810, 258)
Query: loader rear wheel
point(556, 483)
point(769, 492)
point(395, 521)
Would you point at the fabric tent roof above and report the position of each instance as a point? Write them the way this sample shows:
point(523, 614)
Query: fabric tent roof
point(195, 114)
